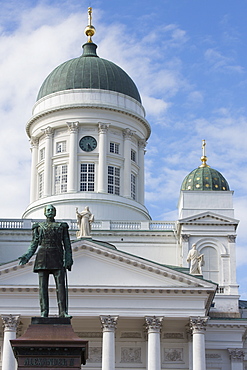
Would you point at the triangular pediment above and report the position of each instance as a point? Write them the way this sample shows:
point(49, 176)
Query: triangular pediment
point(208, 218)
point(99, 266)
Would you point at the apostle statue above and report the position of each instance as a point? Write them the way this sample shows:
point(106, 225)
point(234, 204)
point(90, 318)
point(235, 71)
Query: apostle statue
point(54, 256)
point(196, 261)
point(84, 220)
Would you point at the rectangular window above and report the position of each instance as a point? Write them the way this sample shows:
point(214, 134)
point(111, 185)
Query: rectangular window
point(133, 155)
point(41, 184)
point(61, 146)
point(113, 180)
point(114, 148)
point(133, 186)
point(87, 177)
point(42, 154)
point(61, 178)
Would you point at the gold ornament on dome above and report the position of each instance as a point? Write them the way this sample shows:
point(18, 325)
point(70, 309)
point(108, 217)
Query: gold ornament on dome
point(90, 30)
point(204, 158)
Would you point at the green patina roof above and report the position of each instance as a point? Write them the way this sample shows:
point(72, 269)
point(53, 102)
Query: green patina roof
point(205, 178)
point(89, 72)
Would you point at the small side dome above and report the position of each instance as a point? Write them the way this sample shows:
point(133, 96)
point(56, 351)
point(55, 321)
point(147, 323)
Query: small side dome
point(89, 72)
point(205, 178)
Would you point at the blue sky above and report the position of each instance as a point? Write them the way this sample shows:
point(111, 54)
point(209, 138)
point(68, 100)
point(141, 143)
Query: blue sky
point(188, 59)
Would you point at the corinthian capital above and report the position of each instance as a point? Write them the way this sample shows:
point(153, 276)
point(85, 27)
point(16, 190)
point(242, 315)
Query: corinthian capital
point(34, 142)
point(10, 322)
point(127, 133)
point(142, 143)
point(48, 131)
point(108, 322)
point(236, 354)
point(153, 323)
point(198, 324)
point(73, 126)
point(103, 128)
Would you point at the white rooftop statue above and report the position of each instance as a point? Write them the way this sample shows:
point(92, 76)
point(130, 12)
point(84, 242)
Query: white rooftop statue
point(84, 219)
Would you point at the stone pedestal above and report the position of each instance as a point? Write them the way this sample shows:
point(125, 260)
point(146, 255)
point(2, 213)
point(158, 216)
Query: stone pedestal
point(50, 343)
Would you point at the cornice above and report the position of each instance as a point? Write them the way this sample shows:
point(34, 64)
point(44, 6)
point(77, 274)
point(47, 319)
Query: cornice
point(86, 106)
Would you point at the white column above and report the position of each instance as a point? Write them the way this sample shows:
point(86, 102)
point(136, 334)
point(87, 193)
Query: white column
point(108, 344)
point(232, 250)
point(47, 166)
point(103, 150)
point(33, 185)
point(127, 134)
point(10, 323)
point(198, 327)
point(153, 326)
point(72, 168)
point(237, 358)
point(141, 180)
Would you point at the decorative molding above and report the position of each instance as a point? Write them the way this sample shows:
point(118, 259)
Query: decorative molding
point(173, 355)
point(10, 322)
point(198, 324)
point(73, 126)
point(213, 356)
point(231, 238)
point(153, 323)
point(95, 355)
point(108, 322)
point(173, 336)
point(131, 334)
point(90, 334)
point(236, 354)
point(131, 355)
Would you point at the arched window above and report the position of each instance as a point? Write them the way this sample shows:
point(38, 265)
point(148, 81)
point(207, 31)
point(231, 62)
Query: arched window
point(210, 269)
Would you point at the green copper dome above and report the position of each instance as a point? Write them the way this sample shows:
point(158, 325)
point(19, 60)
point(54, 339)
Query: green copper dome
point(89, 72)
point(205, 178)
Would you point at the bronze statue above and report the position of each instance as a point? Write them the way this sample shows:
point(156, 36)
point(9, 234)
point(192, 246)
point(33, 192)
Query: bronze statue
point(54, 256)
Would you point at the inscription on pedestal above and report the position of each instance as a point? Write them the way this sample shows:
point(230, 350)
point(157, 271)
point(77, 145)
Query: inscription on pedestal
point(44, 362)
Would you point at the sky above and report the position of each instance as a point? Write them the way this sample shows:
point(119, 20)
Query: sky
point(188, 59)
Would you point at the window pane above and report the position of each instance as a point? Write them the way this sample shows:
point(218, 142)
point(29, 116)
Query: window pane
point(87, 177)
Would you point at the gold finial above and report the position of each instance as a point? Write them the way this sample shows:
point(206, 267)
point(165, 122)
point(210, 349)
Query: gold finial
point(90, 30)
point(204, 158)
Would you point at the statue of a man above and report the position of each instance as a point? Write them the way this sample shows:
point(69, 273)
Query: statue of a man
point(84, 220)
point(54, 256)
point(196, 261)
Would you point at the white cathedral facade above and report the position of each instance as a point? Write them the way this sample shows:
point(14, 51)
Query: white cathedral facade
point(131, 293)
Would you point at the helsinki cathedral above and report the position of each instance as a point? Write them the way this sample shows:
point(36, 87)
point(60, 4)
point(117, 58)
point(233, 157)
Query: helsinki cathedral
point(145, 294)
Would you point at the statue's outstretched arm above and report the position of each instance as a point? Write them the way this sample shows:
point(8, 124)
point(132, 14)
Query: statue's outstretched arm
point(33, 247)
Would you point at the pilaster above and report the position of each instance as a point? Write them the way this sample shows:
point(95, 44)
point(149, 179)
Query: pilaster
point(237, 358)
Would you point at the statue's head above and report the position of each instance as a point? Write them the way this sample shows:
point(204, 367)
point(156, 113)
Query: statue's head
point(87, 208)
point(194, 246)
point(50, 211)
